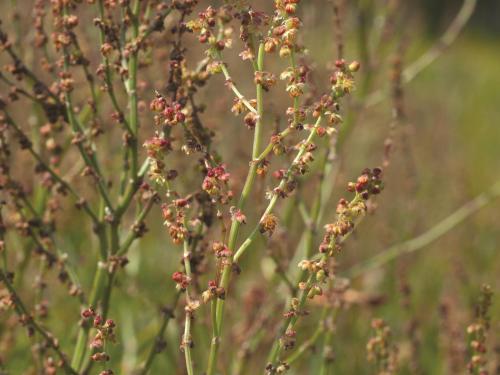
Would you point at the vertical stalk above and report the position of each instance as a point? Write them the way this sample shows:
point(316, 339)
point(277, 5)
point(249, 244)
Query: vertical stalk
point(132, 91)
point(83, 334)
point(235, 225)
point(186, 340)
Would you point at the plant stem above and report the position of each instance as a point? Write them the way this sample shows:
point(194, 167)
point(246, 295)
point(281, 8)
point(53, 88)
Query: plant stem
point(272, 203)
point(167, 316)
point(22, 311)
point(186, 340)
point(52, 173)
point(320, 330)
point(132, 92)
point(450, 35)
point(427, 237)
point(327, 343)
point(83, 334)
point(291, 321)
point(235, 225)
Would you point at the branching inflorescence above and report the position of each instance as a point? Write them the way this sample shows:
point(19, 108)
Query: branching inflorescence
point(218, 211)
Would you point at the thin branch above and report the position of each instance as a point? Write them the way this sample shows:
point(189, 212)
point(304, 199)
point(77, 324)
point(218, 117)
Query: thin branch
point(443, 43)
point(28, 319)
point(158, 341)
point(427, 237)
point(80, 201)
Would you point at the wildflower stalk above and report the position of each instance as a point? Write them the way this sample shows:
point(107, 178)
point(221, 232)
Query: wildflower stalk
point(132, 91)
point(244, 246)
point(327, 344)
point(83, 333)
point(235, 90)
point(107, 71)
point(89, 159)
point(272, 203)
point(315, 212)
point(318, 332)
point(217, 315)
point(291, 321)
point(186, 340)
point(167, 316)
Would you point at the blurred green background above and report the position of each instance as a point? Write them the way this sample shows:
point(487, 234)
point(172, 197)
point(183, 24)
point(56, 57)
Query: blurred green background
point(447, 151)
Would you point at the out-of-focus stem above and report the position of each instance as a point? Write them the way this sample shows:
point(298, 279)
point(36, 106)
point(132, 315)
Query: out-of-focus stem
point(447, 39)
point(428, 237)
point(52, 173)
point(167, 316)
point(22, 311)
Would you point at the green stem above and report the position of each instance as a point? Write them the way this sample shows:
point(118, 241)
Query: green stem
point(132, 92)
point(167, 316)
point(327, 343)
point(320, 330)
point(235, 225)
point(291, 321)
point(187, 340)
point(83, 334)
point(272, 203)
point(21, 310)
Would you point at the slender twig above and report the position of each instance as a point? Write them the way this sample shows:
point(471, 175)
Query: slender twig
point(235, 225)
point(272, 203)
point(158, 341)
point(309, 343)
point(25, 315)
point(131, 86)
point(427, 237)
point(89, 158)
point(53, 174)
point(233, 87)
point(186, 338)
point(447, 39)
point(133, 235)
point(110, 89)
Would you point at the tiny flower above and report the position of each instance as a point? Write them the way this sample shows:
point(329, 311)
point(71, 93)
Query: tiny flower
point(268, 224)
point(237, 215)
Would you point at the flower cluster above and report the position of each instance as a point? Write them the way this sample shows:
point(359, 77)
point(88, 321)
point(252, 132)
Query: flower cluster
point(380, 349)
point(105, 333)
point(174, 219)
point(215, 184)
point(268, 224)
point(222, 252)
point(167, 114)
point(213, 291)
point(205, 26)
point(368, 183)
point(285, 28)
point(157, 147)
point(342, 79)
point(478, 333)
point(181, 280)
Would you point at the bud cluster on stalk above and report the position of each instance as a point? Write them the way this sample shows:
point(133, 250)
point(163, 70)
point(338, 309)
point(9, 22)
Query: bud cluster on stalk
point(381, 351)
